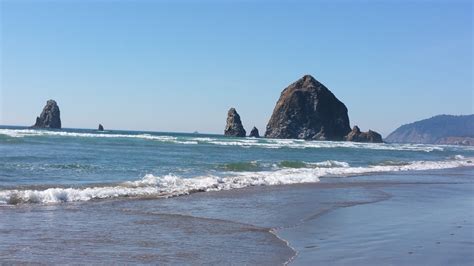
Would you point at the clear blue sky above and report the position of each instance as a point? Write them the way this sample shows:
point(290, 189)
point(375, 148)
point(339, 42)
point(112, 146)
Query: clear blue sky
point(179, 65)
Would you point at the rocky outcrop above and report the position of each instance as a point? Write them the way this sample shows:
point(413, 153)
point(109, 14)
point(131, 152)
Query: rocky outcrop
point(101, 128)
point(50, 117)
point(308, 110)
point(357, 136)
point(234, 126)
point(254, 133)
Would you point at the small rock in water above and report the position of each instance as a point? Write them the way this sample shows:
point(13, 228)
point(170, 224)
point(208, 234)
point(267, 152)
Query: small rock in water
point(357, 136)
point(254, 133)
point(101, 128)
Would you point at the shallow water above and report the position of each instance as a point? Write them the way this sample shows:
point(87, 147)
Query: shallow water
point(80, 196)
point(224, 227)
point(114, 234)
point(359, 220)
point(427, 222)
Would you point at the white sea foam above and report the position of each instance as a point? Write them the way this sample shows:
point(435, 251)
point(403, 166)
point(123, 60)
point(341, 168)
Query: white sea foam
point(171, 185)
point(20, 133)
point(241, 142)
point(329, 163)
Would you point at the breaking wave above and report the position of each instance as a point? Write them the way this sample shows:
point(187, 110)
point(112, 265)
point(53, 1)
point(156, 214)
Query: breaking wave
point(151, 186)
point(241, 142)
point(301, 164)
point(20, 133)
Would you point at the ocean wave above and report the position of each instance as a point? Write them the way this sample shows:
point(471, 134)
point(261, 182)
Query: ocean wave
point(241, 142)
point(241, 166)
point(329, 164)
point(172, 185)
point(304, 144)
point(302, 164)
point(20, 133)
point(391, 163)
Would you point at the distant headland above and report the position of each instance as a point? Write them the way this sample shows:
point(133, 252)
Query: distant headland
point(440, 129)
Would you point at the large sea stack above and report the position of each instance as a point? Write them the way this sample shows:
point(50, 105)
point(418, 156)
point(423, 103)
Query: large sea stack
point(234, 126)
point(101, 127)
point(308, 110)
point(50, 117)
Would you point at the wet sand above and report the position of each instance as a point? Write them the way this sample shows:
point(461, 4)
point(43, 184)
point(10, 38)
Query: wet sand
point(411, 218)
point(418, 224)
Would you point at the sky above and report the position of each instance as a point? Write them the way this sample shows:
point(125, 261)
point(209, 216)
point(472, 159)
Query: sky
point(178, 66)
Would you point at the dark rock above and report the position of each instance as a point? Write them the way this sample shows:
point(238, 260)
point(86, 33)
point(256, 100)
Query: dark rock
point(234, 126)
point(101, 128)
point(50, 117)
point(357, 136)
point(254, 133)
point(308, 110)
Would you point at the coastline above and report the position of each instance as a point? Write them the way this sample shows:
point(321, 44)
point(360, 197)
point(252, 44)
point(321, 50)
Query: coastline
point(262, 224)
point(419, 223)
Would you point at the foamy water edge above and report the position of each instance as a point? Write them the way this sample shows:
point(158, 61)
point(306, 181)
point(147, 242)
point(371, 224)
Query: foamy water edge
point(151, 186)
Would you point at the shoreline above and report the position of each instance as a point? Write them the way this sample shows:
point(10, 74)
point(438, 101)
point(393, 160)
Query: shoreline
point(390, 190)
point(288, 244)
point(377, 186)
point(285, 224)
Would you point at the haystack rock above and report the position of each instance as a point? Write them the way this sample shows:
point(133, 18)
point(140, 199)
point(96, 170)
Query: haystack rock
point(357, 136)
point(101, 128)
point(50, 117)
point(234, 126)
point(308, 110)
point(254, 133)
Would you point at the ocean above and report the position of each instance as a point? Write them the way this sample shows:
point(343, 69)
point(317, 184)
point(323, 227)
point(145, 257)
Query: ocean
point(78, 195)
point(45, 166)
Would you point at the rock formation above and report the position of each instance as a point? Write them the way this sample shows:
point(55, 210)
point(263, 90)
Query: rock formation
point(50, 117)
point(357, 136)
point(101, 128)
point(254, 133)
point(234, 126)
point(308, 110)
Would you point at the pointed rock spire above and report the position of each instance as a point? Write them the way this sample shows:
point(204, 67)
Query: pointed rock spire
point(254, 133)
point(234, 126)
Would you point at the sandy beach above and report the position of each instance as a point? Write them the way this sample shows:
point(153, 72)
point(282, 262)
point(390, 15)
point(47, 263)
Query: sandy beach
point(412, 218)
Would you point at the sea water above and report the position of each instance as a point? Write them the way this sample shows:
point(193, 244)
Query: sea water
point(76, 196)
point(78, 165)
